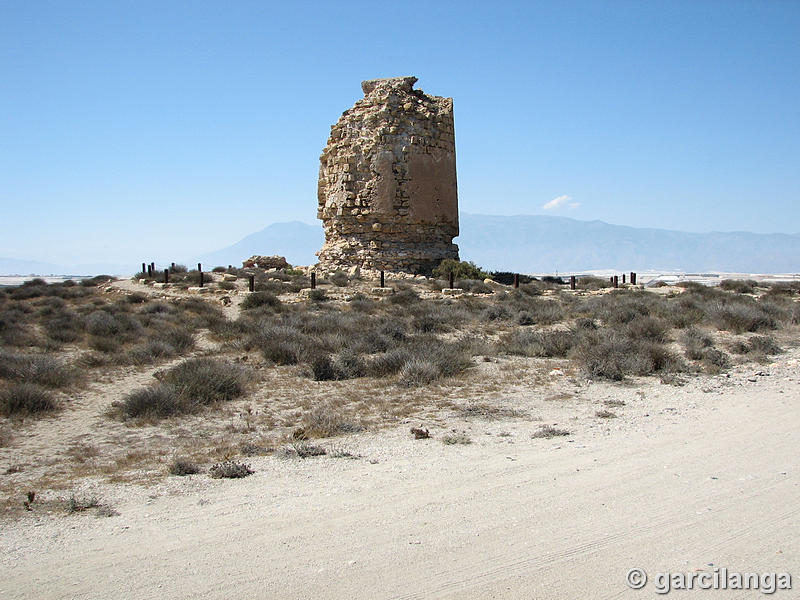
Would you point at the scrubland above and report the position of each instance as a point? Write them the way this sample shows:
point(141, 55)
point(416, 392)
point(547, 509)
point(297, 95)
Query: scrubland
point(123, 382)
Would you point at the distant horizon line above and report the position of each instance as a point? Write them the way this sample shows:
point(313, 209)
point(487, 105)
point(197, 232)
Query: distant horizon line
point(518, 215)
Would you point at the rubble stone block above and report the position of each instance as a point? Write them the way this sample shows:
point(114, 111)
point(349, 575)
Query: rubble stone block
point(452, 292)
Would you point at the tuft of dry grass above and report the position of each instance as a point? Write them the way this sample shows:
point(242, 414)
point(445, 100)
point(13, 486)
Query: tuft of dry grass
point(456, 439)
point(325, 420)
point(548, 432)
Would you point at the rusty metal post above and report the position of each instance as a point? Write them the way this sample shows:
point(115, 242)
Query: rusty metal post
point(149, 271)
point(516, 280)
point(452, 283)
point(199, 267)
point(572, 283)
point(383, 280)
point(202, 279)
point(623, 279)
point(313, 281)
point(633, 278)
point(153, 267)
point(166, 275)
point(616, 281)
point(144, 268)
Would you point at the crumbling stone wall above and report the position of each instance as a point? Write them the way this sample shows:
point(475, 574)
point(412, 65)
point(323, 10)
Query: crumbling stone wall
point(387, 181)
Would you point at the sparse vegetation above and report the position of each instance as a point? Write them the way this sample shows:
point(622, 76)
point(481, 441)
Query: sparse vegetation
point(320, 369)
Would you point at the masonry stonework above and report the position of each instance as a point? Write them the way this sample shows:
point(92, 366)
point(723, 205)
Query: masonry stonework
point(387, 191)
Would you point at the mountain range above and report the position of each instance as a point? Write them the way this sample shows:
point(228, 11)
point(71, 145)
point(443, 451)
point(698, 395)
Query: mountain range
point(525, 244)
point(547, 244)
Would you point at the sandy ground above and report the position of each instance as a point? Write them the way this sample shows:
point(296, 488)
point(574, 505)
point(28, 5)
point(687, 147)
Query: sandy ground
point(684, 479)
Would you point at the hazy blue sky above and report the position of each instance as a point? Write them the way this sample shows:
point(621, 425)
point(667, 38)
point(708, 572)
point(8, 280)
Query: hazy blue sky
point(161, 129)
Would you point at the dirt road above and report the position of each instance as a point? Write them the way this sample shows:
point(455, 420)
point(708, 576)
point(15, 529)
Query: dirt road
point(713, 483)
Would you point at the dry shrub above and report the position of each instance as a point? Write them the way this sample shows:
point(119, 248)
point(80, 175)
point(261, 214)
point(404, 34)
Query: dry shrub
point(612, 356)
point(418, 372)
point(205, 380)
point(456, 438)
point(156, 401)
point(26, 399)
point(757, 346)
point(106, 345)
point(183, 466)
point(150, 352)
point(339, 279)
point(740, 286)
point(344, 365)
point(36, 369)
point(538, 343)
point(695, 342)
point(282, 345)
point(259, 299)
point(548, 432)
point(64, 326)
point(715, 360)
point(646, 328)
point(325, 420)
point(741, 317)
point(230, 470)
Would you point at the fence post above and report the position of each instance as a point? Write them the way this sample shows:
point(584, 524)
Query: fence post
point(149, 271)
point(623, 278)
point(383, 280)
point(201, 277)
point(452, 283)
point(313, 281)
point(166, 275)
point(252, 283)
point(144, 268)
point(516, 280)
point(616, 281)
point(633, 278)
point(572, 284)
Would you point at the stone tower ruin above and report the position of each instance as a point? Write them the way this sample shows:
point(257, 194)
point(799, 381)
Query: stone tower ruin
point(387, 181)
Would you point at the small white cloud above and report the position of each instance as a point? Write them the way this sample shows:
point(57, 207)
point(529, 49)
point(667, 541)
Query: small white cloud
point(557, 202)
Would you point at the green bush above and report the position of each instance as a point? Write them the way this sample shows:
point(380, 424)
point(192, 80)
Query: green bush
point(459, 269)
